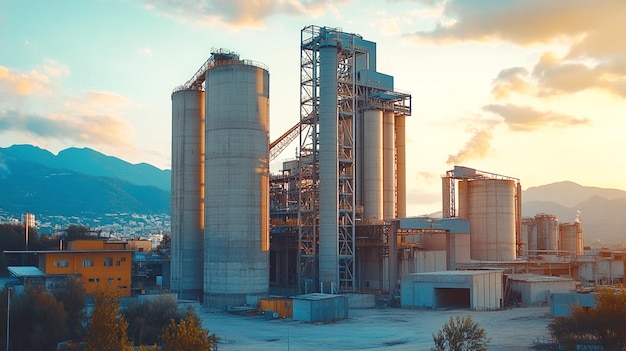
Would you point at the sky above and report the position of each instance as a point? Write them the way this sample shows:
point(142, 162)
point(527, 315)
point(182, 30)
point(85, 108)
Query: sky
point(530, 89)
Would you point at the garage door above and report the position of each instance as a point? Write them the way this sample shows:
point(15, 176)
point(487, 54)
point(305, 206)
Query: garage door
point(452, 298)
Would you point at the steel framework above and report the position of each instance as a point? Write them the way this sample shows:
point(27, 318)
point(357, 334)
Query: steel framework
point(309, 190)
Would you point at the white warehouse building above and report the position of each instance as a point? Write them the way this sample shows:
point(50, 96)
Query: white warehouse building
point(475, 289)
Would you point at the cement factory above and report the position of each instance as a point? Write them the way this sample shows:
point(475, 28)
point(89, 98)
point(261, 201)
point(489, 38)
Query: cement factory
point(333, 221)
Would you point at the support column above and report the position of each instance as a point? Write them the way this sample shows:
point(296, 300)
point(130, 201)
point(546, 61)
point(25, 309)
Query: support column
point(373, 165)
point(389, 166)
point(328, 167)
point(401, 164)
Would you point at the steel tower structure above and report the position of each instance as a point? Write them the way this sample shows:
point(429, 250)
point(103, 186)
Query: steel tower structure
point(328, 112)
point(340, 91)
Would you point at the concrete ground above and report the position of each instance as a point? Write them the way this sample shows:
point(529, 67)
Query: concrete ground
point(374, 329)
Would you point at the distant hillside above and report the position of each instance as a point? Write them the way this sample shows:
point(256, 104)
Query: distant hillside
point(90, 162)
point(603, 211)
point(34, 180)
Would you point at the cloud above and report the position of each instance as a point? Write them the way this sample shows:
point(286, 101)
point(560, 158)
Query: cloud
point(522, 22)
point(21, 84)
point(476, 148)
point(34, 107)
point(239, 13)
point(525, 118)
point(14, 83)
point(55, 69)
point(510, 80)
point(558, 76)
point(591, 30)
point(82, 129)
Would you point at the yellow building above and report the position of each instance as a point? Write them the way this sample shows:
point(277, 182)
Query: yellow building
point(97, 263)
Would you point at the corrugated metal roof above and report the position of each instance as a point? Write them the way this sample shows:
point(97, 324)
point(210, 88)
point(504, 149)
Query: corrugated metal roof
point(25, 271)
point(459, 273)
point(537, 278)
point(316, 296)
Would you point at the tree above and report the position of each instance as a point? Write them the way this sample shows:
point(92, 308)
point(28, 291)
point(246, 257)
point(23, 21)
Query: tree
point(76, 232)
point(43, 243)
point(602, 324)
point(74, 298)
point(12, 238)
point(146, 319)
point(37, 319)
point(187, 335)
point(107, 329)
point(461, 334)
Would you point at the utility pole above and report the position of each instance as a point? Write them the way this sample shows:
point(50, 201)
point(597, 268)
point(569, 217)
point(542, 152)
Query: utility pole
point(8, 314)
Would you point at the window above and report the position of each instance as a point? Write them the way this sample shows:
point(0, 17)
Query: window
point(87, 262)
point(108, 261)
point(94, 280)
point(62, 263)
point(123, 259)
point(118, 263)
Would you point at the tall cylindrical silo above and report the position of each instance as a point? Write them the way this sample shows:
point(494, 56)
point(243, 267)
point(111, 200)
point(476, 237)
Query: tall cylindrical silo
point(187, 196)
point(571, 235)
point(547, 232)
point(328, 166)
point(529, 235)
point(489, 205)
point(400, 126)
point(389, 166)
point(373, 164)
point(236, 269)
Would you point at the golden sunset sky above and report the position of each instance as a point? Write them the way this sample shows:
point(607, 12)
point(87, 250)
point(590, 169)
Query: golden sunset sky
point(531, 89)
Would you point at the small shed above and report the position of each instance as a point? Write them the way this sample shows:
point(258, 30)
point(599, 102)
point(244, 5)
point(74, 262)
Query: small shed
point(535, 289)
point(319, 307)
point(473, 289)
point(282, 306)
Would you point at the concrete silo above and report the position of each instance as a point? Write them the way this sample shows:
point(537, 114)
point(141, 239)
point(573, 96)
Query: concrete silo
point(571, 238)
point(528, 236)
point(373, 165)
point(491, 208)
point(547, 227)
point(236, 248)
point(187, 197)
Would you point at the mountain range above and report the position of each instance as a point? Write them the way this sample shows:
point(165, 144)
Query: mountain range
point(85, 182)
point(78, 182)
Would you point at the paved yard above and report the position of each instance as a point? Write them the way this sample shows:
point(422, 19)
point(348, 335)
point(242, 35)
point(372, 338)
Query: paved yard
point(374, 329)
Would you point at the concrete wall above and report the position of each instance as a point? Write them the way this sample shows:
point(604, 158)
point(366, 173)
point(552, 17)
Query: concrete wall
point(461, 248)
point(361, 300)
point(429, 261)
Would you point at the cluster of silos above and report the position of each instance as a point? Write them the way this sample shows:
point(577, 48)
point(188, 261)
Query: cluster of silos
point(382, 167)
point(220, 184)
point(544, 235)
